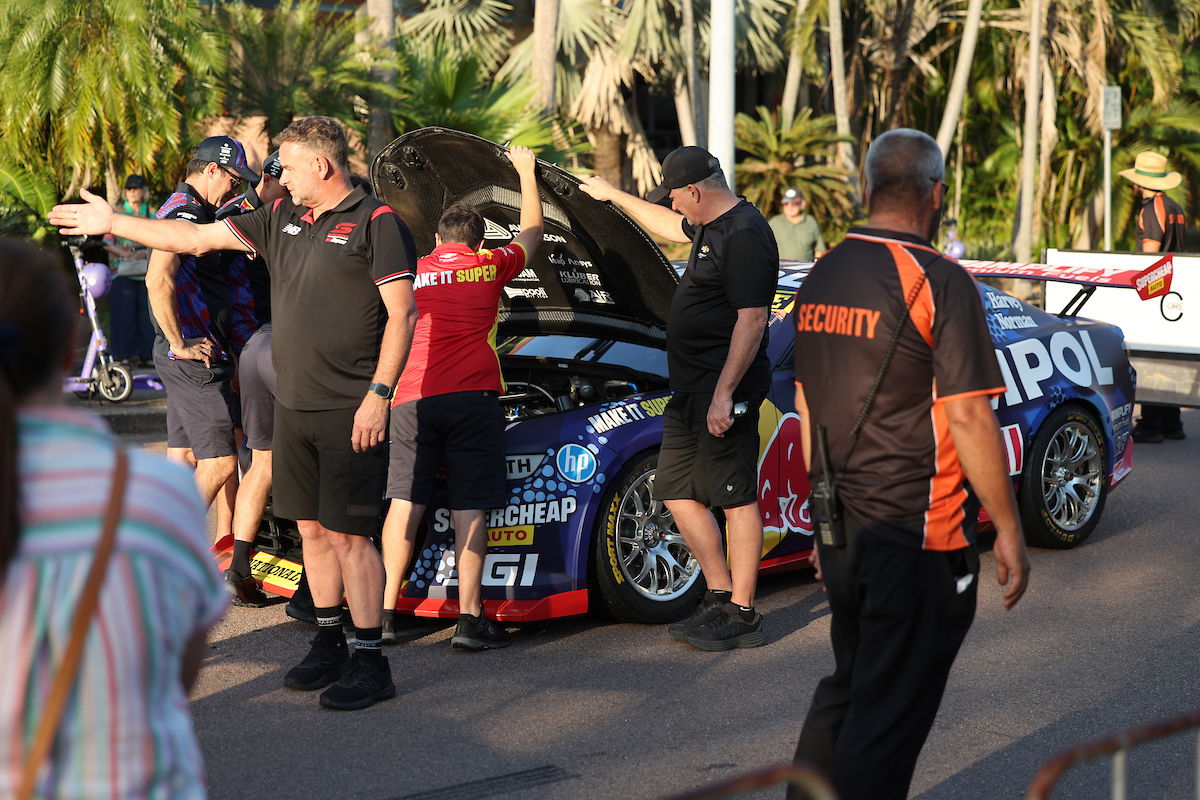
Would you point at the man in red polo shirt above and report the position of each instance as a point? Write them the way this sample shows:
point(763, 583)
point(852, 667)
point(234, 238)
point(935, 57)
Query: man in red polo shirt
point(447, 404)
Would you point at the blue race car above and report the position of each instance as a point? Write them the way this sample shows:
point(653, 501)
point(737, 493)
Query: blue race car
point(581, 340)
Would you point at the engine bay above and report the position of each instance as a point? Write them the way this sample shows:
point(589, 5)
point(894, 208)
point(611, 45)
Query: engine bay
point(539, 385)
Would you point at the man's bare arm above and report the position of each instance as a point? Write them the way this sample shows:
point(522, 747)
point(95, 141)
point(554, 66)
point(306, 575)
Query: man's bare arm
point(160, 286)
point(370, 421)
point(532, 223)
point(743, 346)
point(976, 436)
point(658, 220)
point(95, 217)
point(806, 450)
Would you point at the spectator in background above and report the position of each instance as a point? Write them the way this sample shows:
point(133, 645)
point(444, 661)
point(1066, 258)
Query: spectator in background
point(132, 335)
point(126, 730)
point(796, 231)
point(1160, 229)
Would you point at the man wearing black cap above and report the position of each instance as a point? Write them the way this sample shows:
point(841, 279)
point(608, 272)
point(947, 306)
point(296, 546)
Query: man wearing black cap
point(132, 335)
point(201, 325)
point(717, 356)
point(256, 382)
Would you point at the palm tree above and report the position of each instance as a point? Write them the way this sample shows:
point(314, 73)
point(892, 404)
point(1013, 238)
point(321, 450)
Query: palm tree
point(93, 90)
point(382, 14)
point(962, 73)
point(316, 65)
point(800, 154)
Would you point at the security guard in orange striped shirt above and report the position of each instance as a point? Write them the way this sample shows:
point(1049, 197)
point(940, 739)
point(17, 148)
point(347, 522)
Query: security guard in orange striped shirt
point(902, 584)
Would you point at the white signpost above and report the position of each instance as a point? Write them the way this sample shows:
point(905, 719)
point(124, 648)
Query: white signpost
point(1110, 114)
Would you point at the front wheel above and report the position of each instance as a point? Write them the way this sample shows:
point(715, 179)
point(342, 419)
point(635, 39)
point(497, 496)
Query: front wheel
point(1064, 483)
point(644, 571)
point(114, 381)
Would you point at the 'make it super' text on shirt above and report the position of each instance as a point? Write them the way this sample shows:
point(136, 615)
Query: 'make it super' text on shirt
point(458, 296)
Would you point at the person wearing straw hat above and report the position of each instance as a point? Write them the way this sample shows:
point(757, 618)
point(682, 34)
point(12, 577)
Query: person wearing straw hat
point(1160, 228)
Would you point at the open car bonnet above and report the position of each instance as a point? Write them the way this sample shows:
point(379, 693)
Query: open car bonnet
point(596, 274)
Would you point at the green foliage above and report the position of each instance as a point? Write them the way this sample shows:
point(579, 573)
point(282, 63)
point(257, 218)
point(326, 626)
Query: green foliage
point(100, 88)
point(297, 61)
point(801, 156)
point(445, 87)
point(25, 200)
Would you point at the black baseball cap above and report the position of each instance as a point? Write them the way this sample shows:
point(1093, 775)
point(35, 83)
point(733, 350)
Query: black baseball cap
point(135, 182)
point(684, 166)
point(226, 152)
point(271, 165)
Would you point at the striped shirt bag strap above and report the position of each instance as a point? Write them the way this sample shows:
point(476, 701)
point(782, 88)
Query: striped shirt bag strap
point(64, 679)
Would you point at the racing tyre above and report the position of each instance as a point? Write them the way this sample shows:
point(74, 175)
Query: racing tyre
point(1064, 482)
point(644, 571)
point(115, 382)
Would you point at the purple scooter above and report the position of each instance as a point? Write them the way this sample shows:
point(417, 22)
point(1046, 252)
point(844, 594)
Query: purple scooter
point(100, 374)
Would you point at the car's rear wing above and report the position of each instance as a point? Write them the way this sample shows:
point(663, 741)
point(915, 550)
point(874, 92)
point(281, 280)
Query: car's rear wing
point(1151, 281)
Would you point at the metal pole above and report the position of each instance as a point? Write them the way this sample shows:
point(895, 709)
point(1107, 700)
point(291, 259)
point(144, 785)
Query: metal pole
point(1118, 775)
point(722, 74)
point(1107, 189)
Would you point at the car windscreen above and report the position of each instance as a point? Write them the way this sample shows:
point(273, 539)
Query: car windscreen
point(638, 357)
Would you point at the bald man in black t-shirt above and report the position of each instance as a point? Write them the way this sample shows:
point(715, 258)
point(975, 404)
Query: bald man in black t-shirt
point(902, 586)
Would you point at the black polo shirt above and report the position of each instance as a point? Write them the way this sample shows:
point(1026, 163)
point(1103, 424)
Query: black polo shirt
point(327, 314)
point(734, 264)
point(904, 471)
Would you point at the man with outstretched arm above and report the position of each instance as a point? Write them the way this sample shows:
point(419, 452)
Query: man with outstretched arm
point(717, 357)
point(341, 268)
point(447, 405)
point(902, 582)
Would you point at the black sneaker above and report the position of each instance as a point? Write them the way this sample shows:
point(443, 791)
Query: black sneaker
point(365, 682)
point(1147, 435)
point(244, 591)
point(710, 606)
point(728, 630)
point(478, 633)
point(323, 665)
point(1174, 433)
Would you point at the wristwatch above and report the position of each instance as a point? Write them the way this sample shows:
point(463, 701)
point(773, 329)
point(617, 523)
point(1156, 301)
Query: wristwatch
point(381, 390)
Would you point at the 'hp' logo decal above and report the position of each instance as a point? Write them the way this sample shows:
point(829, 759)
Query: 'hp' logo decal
point(576, 463)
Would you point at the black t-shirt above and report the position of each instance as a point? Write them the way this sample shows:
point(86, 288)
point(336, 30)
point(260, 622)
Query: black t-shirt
point(325, 301)
point(734, 264)
point(904, 471)
point(1161, 220)
point(255, 269)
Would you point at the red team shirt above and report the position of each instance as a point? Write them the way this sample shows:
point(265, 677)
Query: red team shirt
point(458, 297)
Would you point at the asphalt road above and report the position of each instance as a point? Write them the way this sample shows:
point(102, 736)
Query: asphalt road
point(1108, 637)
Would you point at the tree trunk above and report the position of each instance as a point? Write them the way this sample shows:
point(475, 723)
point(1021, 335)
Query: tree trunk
point(837, 73)
point(899, 67)
point(545, 53)
point(383, 28)
point(683, 111)
point(795, 72)
point(695, 102)
point(1023, 238)
point(962, 73)
point(608, 152)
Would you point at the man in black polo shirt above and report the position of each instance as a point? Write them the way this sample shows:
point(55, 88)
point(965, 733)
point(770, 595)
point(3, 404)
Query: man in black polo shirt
point(197, 309)
point(717, 356)
point(342, 306)
point(902, 587)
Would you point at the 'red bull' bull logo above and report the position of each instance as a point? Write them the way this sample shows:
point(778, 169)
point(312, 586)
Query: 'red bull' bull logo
point(783, 481)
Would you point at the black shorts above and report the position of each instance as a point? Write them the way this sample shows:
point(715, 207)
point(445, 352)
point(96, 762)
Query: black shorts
point(464, 431)
point(256, 379)
point(720, 472)
point(202, 409)
point(317, 474)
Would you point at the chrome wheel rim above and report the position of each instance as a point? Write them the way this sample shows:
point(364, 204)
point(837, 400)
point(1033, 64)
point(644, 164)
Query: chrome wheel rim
point(651, 552)
point(1072, 472)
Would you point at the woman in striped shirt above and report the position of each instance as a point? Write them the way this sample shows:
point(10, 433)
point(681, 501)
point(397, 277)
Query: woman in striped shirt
point(127, 729)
